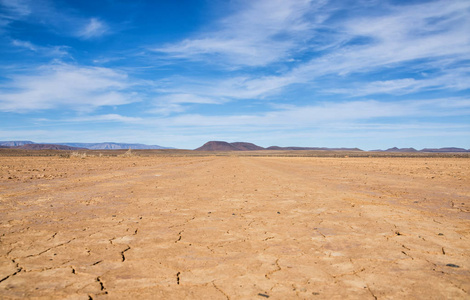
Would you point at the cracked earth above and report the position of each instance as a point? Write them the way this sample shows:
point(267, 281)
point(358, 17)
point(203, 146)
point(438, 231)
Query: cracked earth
point(234, 228)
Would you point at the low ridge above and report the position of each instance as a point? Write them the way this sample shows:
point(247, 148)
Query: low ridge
point(47, 147)
point(217, 146)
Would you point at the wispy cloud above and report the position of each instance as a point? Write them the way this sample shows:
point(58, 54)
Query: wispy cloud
point(456, 79)
point(327, 113)
point(262, 32)
point(435, 30)
point(62, 85)
point(179, 102)
point(56, 51)
point(416, 39)
point(108, 118)
point(93, 29)
point(45, 13)
point(15, 8)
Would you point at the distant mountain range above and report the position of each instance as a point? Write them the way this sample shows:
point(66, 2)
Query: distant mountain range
point(113, 146)
point(242, 146)
point(436, 150)
point(209, 146)
point(76, 146)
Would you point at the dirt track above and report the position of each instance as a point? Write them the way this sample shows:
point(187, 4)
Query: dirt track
point(234, 228)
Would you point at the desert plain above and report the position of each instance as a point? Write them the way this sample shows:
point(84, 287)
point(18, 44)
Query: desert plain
point(234, 227)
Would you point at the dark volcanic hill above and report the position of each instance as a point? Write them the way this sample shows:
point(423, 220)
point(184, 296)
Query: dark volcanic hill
point(246, 146)
point(217, 146)
point(395, 149)
point(447, 149)
point(47, 147)
point(312, 148)
point(241, 146)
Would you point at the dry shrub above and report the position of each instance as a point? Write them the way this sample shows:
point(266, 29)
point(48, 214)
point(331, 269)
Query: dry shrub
point(76, 154)
point(128, 153)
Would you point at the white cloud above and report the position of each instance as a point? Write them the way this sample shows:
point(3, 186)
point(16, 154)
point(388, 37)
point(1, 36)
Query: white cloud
point(108, 118)
point(178, 103)
point(93, 28)
point(434, 31)
point(15, 8)
point(262, 32)
point(62, 85)
point(187, 98)
point(327, 113)
point(412, 38)
point(58, 51)
point(456, 79)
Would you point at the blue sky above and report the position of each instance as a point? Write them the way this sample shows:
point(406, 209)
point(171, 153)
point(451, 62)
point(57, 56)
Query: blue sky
point(365, 73)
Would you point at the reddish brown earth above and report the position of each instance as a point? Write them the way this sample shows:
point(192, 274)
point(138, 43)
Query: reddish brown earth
point(234, 228)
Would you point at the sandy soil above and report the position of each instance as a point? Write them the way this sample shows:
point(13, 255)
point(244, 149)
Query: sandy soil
point(234, 228)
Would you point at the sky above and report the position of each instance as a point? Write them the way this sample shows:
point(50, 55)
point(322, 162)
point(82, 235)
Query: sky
point(371, 74)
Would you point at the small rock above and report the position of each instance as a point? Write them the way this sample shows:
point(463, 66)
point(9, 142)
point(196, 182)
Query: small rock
point(440, 233)
point(263, 295)
point(452, 266)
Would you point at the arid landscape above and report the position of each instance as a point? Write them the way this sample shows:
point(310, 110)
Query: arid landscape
point(168, 224)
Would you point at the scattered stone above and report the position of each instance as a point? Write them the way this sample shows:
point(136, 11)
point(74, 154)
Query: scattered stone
point(452, 266)
point(440, 233)
point(278, 213)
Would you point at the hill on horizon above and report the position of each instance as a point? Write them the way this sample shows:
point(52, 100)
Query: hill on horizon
point(91, 146)
point(46, 147)
point(244, 146)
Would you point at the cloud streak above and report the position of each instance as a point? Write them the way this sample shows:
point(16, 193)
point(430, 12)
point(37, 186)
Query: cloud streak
point(263, 32)
point(93, 29)
point(66, 86)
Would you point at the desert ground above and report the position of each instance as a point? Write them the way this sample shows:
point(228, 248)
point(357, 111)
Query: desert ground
point(234, 227)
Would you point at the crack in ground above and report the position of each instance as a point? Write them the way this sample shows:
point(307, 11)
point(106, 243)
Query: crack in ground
point(350, 273)
point(95, 263)
point(42, 252)
point(220, 290)
point(122, 252)
point(319, 232)
point(372, 293)
point(408, 255)
point(11, 275)
point(187, 221)
point(102, 287)
point(179, 236)
point(267, 275)
point(50, 268)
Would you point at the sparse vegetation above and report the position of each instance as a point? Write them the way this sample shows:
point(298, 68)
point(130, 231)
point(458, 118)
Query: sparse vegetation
point(128, 153)
point(77, 154)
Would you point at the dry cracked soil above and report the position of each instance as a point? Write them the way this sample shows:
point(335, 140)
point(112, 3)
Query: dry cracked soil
point(234, 227)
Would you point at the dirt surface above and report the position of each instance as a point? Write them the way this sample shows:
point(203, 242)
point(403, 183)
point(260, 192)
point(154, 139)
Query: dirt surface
point(234, 228)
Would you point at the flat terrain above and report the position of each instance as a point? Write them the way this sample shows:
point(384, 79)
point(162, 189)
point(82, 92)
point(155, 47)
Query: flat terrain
point(234, 227)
